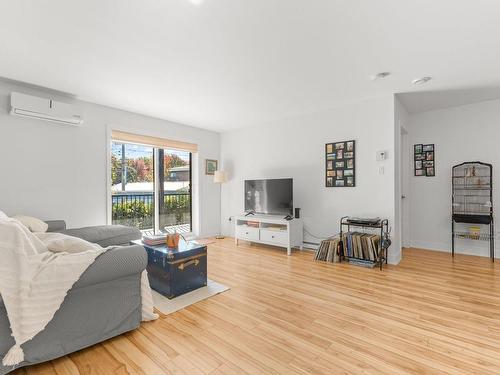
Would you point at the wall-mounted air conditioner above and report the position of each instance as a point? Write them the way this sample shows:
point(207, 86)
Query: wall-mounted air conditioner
point(44, 109)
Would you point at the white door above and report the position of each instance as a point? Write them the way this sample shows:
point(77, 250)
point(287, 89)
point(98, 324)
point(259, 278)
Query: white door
point(406, 170)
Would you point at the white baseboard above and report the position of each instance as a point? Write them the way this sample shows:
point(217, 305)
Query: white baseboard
point(395, 259)
point(207, 235)
point(461, 247)
point(310, 246)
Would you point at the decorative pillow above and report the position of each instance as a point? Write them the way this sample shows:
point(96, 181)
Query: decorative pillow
point(32, 223)
point(60, 243)
point(3, 215)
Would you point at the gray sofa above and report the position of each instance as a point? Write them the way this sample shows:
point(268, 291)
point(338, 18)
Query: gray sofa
point(104, 303)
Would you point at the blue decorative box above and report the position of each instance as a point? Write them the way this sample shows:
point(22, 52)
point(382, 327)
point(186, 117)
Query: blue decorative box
point(175, 271)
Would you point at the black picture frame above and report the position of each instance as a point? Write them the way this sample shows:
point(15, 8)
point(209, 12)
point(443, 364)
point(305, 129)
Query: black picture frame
point(428, 147)
point(424, 160)
point(340, 164)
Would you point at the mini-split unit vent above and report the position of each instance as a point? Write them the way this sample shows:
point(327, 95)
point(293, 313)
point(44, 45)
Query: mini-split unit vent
point(44, 109)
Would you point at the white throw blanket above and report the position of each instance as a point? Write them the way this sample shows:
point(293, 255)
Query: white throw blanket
point(34, 280)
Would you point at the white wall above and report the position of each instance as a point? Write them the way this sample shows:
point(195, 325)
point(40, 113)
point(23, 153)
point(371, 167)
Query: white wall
point(53, 171)
point(466, 133)
point(295, 147)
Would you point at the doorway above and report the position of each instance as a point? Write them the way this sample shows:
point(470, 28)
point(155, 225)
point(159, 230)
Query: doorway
point(406, 168)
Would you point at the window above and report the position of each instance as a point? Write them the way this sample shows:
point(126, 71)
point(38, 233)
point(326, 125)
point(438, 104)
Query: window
point(175, 205)
point(151, 187)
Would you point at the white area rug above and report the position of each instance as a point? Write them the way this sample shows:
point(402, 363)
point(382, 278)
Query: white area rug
point(168, 306)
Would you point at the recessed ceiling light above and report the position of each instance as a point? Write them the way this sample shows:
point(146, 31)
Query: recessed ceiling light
point(420, 81)
point(380, 75)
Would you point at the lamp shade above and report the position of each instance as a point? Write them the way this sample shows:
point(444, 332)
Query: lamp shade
point(219, 177)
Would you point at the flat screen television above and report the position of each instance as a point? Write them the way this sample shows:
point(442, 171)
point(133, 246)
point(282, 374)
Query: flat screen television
point(269, 196)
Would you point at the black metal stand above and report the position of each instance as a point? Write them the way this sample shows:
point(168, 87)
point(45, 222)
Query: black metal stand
point(383, 225)
point(472, 202)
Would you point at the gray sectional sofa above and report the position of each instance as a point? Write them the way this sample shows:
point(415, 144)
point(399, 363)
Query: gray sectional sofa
point(104, 303)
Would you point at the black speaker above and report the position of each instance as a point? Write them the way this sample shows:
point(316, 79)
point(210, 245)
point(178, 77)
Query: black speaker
point(297, 213)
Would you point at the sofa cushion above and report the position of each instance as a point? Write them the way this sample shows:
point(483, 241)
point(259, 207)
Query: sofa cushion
point(114, 264)
point(106, 235)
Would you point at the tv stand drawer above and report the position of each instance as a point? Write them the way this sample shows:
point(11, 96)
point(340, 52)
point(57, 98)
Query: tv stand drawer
point(274, 236)
point(247, 233)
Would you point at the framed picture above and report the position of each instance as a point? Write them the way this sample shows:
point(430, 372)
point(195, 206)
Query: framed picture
point(340, 165)
point(424, 160)
point(419, 156)
point(210, 166)
point(427, 148)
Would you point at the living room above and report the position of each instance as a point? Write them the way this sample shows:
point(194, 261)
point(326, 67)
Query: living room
point(227, 187)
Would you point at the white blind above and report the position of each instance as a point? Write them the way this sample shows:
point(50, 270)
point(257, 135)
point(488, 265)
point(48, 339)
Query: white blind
point(121, 136)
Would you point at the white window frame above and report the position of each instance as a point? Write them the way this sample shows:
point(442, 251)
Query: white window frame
point(195, 206)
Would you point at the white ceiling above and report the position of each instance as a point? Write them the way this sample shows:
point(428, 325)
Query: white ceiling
point(423, 101)
point(226, 64)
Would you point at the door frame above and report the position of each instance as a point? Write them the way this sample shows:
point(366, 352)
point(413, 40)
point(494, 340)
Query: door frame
point(405, 187)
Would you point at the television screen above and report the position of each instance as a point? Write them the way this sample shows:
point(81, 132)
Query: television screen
point(272, 196)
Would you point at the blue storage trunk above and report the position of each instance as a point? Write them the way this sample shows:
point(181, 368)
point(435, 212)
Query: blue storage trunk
point(173, 272)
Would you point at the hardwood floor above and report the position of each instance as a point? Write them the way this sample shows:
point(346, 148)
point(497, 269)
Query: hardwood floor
point(291, 315)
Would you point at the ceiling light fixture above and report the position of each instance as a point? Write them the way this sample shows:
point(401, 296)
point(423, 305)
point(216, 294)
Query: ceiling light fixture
point(421, 81)
point(380, 75)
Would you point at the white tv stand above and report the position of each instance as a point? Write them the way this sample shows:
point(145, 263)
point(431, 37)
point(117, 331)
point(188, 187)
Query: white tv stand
point(269, 230)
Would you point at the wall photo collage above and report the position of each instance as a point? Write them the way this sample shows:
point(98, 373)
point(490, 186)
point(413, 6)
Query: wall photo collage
point(340, 167)
point(424, 160)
